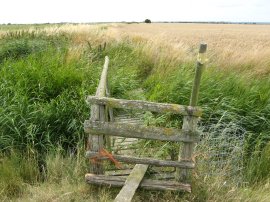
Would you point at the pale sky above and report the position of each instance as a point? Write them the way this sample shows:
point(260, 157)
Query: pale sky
point(43, 11)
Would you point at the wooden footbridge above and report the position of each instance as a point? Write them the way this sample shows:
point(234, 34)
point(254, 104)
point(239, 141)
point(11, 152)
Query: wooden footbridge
point(102, 124)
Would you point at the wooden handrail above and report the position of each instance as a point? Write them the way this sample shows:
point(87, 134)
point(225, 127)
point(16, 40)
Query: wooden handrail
point(138, 131)
point(145, 105)
point(98, 113)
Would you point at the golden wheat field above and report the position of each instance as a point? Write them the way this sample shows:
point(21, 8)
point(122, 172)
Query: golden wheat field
point(245, 48)
point(229, 45)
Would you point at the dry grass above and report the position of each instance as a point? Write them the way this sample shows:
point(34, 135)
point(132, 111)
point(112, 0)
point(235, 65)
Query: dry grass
point(242, 47)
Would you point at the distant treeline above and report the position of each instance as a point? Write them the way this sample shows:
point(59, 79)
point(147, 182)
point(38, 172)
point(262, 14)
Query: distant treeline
point(136, 22)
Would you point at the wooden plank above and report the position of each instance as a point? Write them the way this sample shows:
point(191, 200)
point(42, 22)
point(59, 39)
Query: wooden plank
point(148, 161)
point(144, 105)
point(96, 142)
point(157, 175)
point(118, 172)
point(137, 131)
point(190, 122)
point(148, 184)
point(132, 183)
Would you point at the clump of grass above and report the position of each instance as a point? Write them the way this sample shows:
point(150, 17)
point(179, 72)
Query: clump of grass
point(258, 165)
point(15, 171)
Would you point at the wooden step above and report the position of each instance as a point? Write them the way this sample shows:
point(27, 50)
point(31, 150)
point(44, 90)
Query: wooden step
point(132, 183)
point(119, 181)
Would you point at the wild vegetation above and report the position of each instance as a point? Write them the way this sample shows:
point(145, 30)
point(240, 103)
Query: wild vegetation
point(47, 72)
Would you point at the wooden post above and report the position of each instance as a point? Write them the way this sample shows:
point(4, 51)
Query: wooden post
point(190, 122)
point(96, 142)
point(109, 116)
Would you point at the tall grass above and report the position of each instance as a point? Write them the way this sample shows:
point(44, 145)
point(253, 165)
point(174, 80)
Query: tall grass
point(45, 78)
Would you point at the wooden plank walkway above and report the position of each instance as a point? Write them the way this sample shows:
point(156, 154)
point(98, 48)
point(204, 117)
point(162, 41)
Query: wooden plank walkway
point(122, 145)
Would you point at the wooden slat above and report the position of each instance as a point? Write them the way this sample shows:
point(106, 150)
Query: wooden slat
point(145, 184)
point(137, 131)
point(118, 172)
point(144, 105)
point(132, 183)
point(148, 161)
point(96, 142)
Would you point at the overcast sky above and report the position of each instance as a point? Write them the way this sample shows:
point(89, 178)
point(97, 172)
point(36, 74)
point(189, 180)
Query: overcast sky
point(43, 11)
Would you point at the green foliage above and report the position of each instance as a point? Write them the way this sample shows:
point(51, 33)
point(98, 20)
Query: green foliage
point(231, 96)
point(258, 164)
point(147, 21)
point(42, 95)
point(15, 171)
point(43, 92)
point(15, 45)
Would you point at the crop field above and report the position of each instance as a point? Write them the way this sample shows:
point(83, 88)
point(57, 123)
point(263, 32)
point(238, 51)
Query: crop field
point(46, 72)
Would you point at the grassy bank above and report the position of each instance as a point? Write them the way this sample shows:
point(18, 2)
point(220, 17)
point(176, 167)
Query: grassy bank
point(45, 77)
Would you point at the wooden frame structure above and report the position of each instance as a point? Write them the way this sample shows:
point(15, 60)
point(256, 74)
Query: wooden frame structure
point(101, 124)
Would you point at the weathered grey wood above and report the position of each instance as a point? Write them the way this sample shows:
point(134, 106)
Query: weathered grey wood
point(144, 105)
point(118, 172)
point(137, 131)
point(132, 183)
point(190, 122)
point(110, 117)
point(148, 184)
point(186, 151)
point(108, 94)
point(101, 90)
point(96, 142)
point(162, 176)
point(148, 161)
point(198, 74)
point(154, 174)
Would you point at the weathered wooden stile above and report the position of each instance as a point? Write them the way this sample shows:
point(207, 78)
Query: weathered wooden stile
point(101, 123)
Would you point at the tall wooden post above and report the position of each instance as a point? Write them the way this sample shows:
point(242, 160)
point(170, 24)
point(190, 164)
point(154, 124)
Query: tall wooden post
point(190, 122)
point(98, 113)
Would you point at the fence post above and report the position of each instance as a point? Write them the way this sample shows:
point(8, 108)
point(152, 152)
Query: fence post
point(190, 122)
point(109, 117)
point(98, 113)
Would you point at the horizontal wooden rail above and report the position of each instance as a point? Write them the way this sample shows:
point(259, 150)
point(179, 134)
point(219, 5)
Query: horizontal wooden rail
point(137, 131)
point(148, 161)
point(144, 105)
point(145, 184)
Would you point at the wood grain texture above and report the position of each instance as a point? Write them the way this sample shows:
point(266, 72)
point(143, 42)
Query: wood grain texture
point(145, 105)
point(96, 142)
point(138, 131)
point(132, 183)
point(149, 161)
point(190, 122)
point(145, 184)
